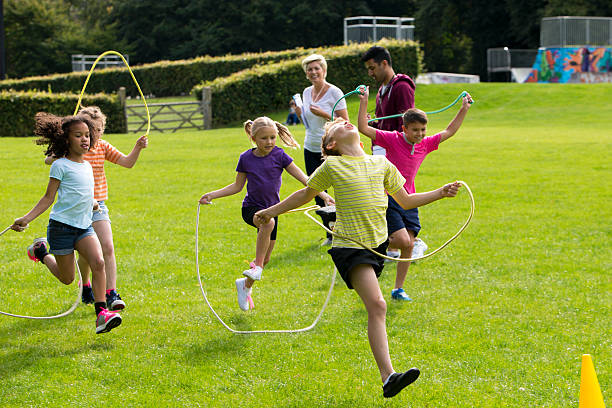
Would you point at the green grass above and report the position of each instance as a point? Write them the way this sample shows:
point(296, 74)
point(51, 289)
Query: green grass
point(500, 318)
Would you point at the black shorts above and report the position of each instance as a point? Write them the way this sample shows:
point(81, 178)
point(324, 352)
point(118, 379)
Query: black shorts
point(346, 259)
point(247, 216)
point(398, 218)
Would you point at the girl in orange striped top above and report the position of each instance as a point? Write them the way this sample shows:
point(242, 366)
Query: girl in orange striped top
point(100, 219)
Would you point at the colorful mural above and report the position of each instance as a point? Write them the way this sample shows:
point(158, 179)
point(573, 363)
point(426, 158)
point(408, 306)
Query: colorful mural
point(572, 65)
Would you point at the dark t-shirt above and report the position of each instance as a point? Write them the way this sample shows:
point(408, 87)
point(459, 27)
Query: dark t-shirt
point(264, 176)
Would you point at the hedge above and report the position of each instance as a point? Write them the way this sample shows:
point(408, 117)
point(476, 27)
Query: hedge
point(18, 110)
point(263, 88)
point(162, 78)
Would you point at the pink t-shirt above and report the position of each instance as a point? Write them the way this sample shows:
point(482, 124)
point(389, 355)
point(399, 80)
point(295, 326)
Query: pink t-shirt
point(398, 153)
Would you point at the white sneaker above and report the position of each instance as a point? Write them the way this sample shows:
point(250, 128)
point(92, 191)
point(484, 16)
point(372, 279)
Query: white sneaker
point(254, 272)
point(393, 253)
point(419, 248)
point(243, 293)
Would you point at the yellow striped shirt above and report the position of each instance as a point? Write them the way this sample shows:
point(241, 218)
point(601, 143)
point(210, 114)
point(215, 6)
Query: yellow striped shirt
point(359, 191)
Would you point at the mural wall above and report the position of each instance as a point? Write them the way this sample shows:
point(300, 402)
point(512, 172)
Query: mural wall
point(572, 65)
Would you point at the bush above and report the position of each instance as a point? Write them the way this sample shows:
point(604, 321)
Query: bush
point(163, 78)
point(249, 93)
point(18, 110)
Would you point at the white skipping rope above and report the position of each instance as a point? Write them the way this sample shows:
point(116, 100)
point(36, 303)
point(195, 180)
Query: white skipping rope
point(304, 329)
point(66, 313)
point(333, 278)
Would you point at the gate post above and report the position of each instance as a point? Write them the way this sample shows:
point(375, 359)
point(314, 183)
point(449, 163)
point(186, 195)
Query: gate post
point(122, 97)
point(206, 107)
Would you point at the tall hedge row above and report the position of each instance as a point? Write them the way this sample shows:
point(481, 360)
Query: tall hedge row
point(262, 88)
point(163, 78)
point(18, 110)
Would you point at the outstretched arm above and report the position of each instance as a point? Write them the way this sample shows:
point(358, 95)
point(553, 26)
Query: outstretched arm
point(455, 124)
point(228, 190)
point(295, 200)
point(299, 175)
point(43, 204)
point(362, 120)
point(129, 160)
point(408, 201)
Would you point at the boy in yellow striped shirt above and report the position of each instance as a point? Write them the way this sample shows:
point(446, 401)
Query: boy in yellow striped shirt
point(359, 182)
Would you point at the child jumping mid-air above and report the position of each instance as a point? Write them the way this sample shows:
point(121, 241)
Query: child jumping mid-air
point(406, 150)
point(359, 182)
point(261, 169)
point(101, 223)
point(71, 179)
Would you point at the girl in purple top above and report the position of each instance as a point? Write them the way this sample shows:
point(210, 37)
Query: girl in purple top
point(261, 169)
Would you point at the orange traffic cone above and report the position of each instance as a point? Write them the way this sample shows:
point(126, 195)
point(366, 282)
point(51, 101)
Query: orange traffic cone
point(590, 393)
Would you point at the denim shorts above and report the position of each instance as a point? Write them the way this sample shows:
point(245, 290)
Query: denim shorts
point(398, 218)
point(63, 237)
point(102, 214)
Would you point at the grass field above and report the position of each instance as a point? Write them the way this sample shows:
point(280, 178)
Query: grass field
point(500, 318)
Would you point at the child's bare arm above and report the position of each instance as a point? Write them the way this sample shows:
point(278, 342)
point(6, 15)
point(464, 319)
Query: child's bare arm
point(43, 204)
point(408, 201)
point(295, 200)
point(362, 119)
point(228, 190)
point(299, 175)
point(129, 160)
point(455, 124)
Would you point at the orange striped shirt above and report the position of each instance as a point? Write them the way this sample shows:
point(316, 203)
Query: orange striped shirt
point(96, 157)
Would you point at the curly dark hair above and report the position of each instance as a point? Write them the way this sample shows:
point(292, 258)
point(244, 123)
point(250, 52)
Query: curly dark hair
point(53, 130)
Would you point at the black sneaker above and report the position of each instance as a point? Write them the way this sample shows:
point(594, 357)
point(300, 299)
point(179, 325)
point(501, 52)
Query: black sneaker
point(87, 296)
point(399, 381)
point(113, 301)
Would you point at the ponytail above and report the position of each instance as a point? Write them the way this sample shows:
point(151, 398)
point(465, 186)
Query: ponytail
point(251, 127)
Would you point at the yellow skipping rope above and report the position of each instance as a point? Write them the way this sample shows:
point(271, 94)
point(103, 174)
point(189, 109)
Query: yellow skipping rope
point(76, 303)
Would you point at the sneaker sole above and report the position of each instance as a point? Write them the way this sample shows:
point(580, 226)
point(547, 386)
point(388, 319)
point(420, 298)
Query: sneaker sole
point(116, 305)
point(248, 275)
point(109, 325)
point(409, 377)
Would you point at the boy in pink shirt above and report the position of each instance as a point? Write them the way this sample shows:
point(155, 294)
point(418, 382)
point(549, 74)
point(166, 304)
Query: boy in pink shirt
point(407, 150)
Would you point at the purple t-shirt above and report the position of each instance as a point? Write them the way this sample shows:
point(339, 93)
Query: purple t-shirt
point(399, 153)
point(264, 176)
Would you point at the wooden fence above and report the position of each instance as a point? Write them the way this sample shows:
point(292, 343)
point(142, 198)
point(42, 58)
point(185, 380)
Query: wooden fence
point(168, 116)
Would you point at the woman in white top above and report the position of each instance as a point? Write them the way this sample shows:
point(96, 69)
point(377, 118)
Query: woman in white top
point(318, 102)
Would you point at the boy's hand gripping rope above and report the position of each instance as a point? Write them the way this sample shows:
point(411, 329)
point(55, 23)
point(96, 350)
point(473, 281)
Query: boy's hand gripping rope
point(361, 88)
point(307, 213)
point(144, 101)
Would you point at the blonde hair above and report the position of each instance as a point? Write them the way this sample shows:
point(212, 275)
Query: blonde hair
point(95, 115)
point(251, 127)
point(327, 138)
point(314, 58)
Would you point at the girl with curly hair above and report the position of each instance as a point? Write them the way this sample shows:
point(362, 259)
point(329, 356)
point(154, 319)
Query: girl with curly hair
point(71, 179)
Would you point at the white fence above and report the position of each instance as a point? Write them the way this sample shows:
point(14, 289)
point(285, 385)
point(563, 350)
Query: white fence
point(575, 31)
point(82, 62)
point(373, 28)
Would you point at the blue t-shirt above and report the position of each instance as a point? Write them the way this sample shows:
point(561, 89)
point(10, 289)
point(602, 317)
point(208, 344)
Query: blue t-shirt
point(75, 193)
point(264, 176)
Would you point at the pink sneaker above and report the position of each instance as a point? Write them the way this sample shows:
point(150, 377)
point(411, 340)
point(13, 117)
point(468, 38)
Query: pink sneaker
point(106, 321)
point(38, 242)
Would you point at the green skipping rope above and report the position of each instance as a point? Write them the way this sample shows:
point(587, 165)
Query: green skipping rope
point(359, 90)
